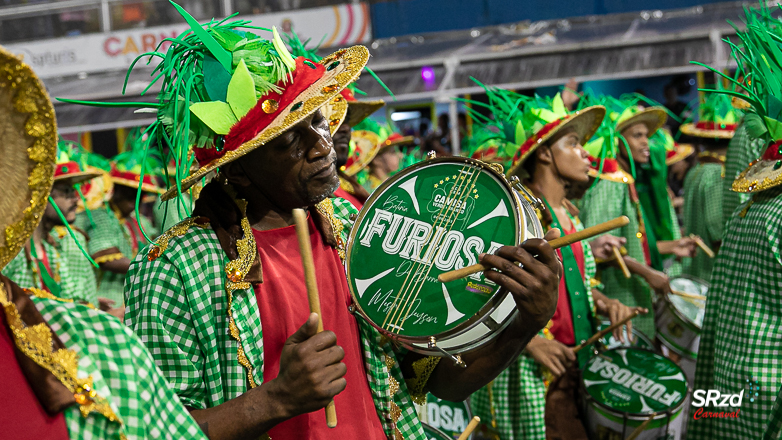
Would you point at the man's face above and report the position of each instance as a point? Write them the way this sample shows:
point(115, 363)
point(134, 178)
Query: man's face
point(341, 139)
point(124, 199)
point(64, 195)
point(637, 137)
point(298, 168)
point(571, 159)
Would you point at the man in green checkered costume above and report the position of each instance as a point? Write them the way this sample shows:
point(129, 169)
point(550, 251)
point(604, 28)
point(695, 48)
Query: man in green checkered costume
point(703, 214)
point(68, 371)
point(220, 299)
point(742, 333)
point(549, 160)
point(622, 146)
point(53, 259)
point(116, 231)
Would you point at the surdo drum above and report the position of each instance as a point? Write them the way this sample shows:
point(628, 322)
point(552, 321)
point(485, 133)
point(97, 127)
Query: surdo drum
point(434, 217)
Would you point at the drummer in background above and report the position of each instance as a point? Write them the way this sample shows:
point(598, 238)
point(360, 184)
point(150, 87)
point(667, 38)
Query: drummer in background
point(741, 341)
point(677, 161)
point(614, 194)
point(387, 161)
point(703, 185)
point(344, 113)
point(222, 301)
point(548, 158)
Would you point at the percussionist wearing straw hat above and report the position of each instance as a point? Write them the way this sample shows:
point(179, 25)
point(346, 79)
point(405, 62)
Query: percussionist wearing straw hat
point(548, 159)
point(621, 147)
point(52, 262)
point(741, 339)
point(78, 373)
point(221, 298)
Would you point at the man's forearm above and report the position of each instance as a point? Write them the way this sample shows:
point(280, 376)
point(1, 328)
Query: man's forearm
point(120, 266)
point(638, 268)
point(454, 383)
point(246, 417)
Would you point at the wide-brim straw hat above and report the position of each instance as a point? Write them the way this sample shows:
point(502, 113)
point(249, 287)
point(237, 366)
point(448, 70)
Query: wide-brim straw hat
point(653, 117)
point(29, 151)
point(709, 130)
point(763, 173)
point(584, 122)
point(678, 154)
point(341, 68)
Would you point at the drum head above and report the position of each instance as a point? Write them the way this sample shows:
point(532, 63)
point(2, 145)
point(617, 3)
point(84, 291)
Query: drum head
point(449, 417)
point(434, 433)
point(431, 218)
point(691, 310)
point(635, 382)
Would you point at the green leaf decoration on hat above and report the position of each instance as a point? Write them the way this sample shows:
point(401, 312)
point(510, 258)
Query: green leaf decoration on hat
point(221, 116)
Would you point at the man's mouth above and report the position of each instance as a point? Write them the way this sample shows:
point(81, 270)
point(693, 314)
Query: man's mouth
point(323, 171)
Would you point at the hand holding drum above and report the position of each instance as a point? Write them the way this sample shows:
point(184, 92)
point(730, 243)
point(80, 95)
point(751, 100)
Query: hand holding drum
point(555, 244)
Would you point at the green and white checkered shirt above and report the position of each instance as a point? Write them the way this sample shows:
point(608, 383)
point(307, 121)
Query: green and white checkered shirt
point(605, 201)
point(109, 233)
point(171, 212)
point(741, 151)
point(178, 305)
point(518, 394)
point(703, 215)
point(741, 340)
point(123, 373)
point(75, 273)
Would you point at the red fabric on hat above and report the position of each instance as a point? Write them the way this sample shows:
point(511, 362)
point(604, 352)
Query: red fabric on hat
point(609, 165)
point(527, 145)
point(257, 119)
point(283, 305)
point(708, 125)
point(130, 175)
point(348, 95)
point(772, 152)
point(64, 169)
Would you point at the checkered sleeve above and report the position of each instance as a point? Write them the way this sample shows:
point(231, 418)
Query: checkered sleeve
point(158, 311)
point(103, 235)
point(124, 373)
point(603, 202)
point(343, 210)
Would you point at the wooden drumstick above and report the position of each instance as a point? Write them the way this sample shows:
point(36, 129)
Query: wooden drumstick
point(641, 427)
point(556, 243)
point(470, 428)
point(688, 295)
point(303, 234)
point(604, 332)
point(702, 245)
point(620, 261)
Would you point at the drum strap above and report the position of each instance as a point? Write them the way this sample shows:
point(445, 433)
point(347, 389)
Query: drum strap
point(576, 289)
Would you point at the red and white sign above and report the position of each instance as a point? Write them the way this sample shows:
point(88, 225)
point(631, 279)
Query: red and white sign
point(340, 25)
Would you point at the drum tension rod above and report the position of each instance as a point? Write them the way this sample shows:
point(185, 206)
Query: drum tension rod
point(457, 360)
point(516, 183)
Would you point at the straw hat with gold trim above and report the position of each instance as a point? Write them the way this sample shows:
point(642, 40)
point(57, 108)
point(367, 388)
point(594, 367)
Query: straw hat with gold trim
point(29, 151)
point(653, 117)
point(252, 91)
point(364, 147)
point(71, 163)
point(674, 151)
point(343, 106)
point(530, 122)
point(718, 118)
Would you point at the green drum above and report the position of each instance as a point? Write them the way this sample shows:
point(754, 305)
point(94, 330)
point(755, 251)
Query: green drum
point(680, 319)
point(434, 433)
point(449, 417)
point(434, 217)
point(639, 340)
point(624, 387)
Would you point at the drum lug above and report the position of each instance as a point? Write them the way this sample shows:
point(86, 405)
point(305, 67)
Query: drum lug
point(431, 155)
point(536, 203)
point(457, 359)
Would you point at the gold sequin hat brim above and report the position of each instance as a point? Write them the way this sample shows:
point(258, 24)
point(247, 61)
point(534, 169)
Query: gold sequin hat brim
point(359, 110)
point(29, 151)
point(654, 118)
point(369, 145)
point(324, 90)
point(759, 176)
point(683, 151)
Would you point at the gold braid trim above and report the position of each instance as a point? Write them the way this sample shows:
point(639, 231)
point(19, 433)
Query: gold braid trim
point(161, 244)
point(109, 258)
point(393, 387)
point(235, 271)
point(35, 342)
point(326, 208)
point(347, 186)
point(423, 369)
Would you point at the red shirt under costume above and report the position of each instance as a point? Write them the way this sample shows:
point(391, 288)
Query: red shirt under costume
point(562, 322)
point(282, 300)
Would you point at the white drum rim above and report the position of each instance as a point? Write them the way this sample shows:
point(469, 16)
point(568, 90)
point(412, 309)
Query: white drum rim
point(669, 305)
point(491, 304)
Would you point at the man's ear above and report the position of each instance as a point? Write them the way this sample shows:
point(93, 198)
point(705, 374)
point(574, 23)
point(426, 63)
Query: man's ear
point(543, 154)
point(234, 173)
